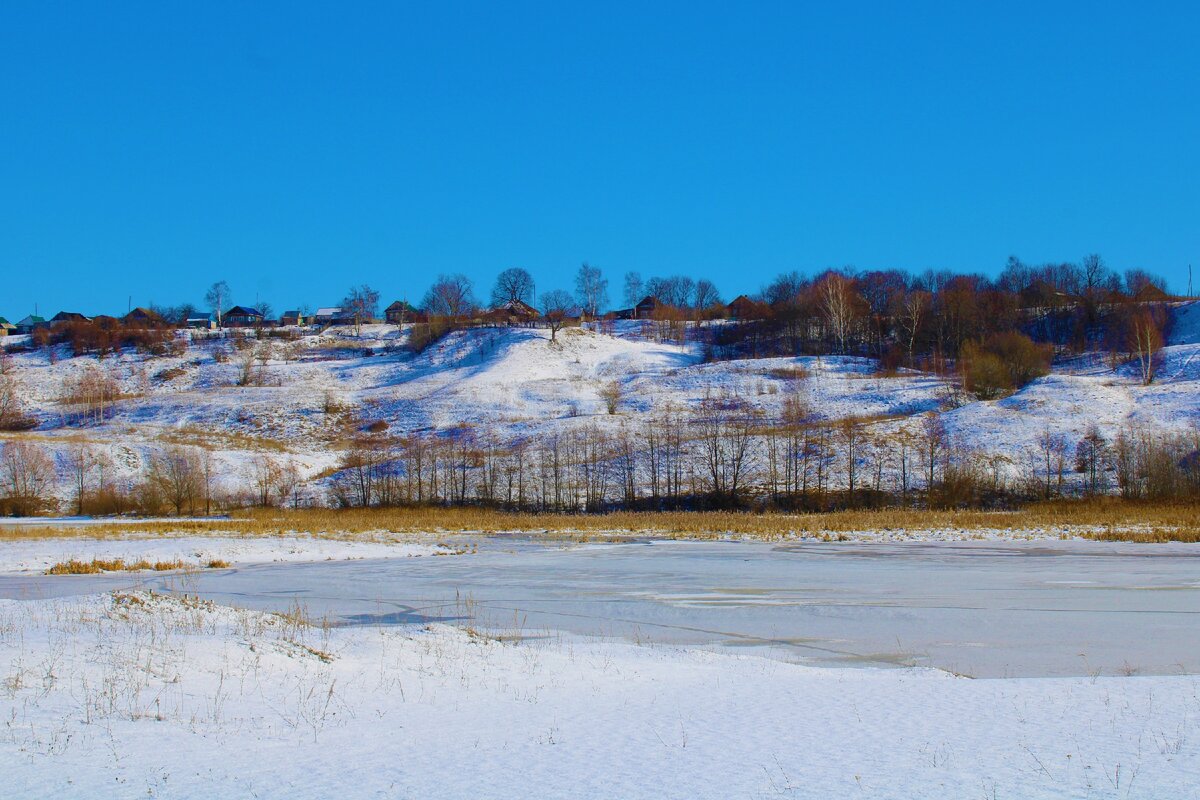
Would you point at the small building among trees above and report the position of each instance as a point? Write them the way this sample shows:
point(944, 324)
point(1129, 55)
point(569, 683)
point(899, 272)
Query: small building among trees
point(328, 315)
point(296, 318)
point(6, 327)
point(69, 316)
point(743, 308)
point(400, 312)
point(143, 318)
point(513, 312)
point(647, 308)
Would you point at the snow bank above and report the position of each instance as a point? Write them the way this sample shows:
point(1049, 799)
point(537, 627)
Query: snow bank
point(140, 695)
point(38, 555)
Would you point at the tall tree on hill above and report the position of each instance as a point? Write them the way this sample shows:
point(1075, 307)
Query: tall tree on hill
point(633, 292)
point(513, 284)
point(217, 298)
point(591, 289)
point(451, 296)
point(363, 303)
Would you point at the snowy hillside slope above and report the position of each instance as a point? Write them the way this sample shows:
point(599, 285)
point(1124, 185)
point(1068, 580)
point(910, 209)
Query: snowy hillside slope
point(515, 382)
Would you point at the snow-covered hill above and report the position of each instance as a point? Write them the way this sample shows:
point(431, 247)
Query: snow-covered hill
point(304, 401)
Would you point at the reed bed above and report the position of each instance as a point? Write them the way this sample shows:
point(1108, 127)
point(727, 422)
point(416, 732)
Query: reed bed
point(1105, 519)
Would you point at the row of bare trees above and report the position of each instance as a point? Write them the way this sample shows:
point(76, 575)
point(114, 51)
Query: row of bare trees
point(82, 478)
point(725, 454)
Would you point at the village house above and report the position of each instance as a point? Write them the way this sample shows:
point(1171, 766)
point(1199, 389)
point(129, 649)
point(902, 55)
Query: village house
point(513, 312)
point(243, 317)
point(647, 308)
point(68, 316)
point(6, 327)
point(401, 312)
point(201, 321)
point(743, 308)
point(326, 316)
point(292, 318)
point(30, 323)
point(143, 317)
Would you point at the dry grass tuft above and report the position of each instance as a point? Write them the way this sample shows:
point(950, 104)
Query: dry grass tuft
point(98, 565)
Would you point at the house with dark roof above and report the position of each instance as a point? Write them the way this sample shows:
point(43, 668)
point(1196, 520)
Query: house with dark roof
point(201, 321)
point(400, 312)
point(69, 316)
point(294, 317)
point(327, 315)
point(143, 317)
point(243, 317)
point(6, 327)
point(647, 308)
point(743, 308)
point(513, 312)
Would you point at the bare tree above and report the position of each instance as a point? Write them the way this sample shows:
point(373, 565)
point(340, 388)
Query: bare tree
point(81, 462)
point(450, 296)
point(1053, 450)
point(934, 443)
point(850, 433)
point(12, 413)
point(557, 307)
point(92, 391)
point(363, 303)
point(26, 478)
point(837, 303)
point(177, 474)
point(1145, 337)
point(513, 285)
point(217, 298)
point(705, 295)
point(1092, 458)
point(633, 292)
point(910, 316)
point(591, 289)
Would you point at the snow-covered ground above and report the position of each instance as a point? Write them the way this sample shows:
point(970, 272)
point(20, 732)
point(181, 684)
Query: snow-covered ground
point(151, 696)
point(514, 381)
point(39, 554)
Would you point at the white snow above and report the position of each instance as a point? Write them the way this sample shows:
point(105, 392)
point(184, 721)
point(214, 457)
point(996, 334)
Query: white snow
point(39, 554)
point(515, 381)
point(140, 695)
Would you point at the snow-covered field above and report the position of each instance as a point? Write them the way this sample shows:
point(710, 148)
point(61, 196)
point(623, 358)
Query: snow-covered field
point(38, 555)
point(138, 695)
point(515, 382)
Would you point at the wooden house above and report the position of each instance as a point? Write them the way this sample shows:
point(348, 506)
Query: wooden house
point(243, 317)
point(68, 316)
point(295, 318)
point(647, 308)
point(743, 308)
point(143, 317)
point(514, 312)
point(401, 312)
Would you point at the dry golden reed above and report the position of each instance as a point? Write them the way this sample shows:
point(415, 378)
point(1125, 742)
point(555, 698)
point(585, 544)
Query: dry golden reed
point(1111, 519)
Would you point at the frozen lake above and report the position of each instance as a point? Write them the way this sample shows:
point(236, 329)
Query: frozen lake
point(985, 609)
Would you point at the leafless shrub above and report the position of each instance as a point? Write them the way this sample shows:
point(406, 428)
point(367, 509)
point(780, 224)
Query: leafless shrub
point(26, 479)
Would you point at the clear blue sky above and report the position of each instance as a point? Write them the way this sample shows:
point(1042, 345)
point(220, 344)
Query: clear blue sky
point(294, 149)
